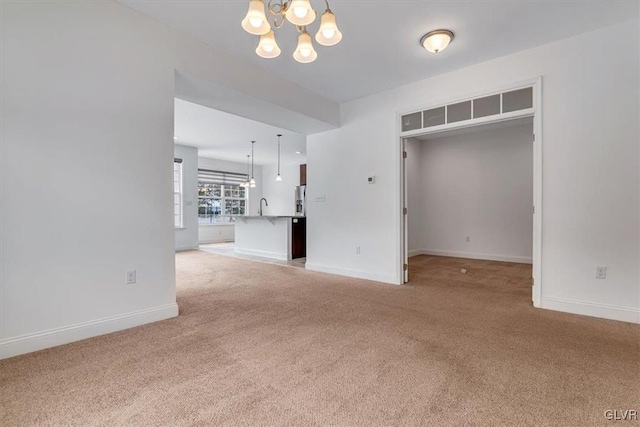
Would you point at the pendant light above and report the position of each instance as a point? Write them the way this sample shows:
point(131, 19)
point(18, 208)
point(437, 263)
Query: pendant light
point(255, 22)
point(267, 47)
point(305, 53)
point(328, 34)
point(245, 183)
point(278, 177)
point(300, 13)
point(252, 182)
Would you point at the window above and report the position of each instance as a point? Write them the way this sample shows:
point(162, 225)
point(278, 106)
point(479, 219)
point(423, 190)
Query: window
point(177, 193)
point(220, 197)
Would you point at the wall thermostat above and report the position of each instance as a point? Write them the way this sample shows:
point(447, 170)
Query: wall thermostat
point(371, 180)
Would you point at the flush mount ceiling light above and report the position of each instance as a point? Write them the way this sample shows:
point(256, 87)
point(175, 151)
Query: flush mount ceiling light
point(299, 13)
point(436, 41)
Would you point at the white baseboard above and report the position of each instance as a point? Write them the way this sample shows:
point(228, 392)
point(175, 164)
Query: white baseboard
point(206, 242)
point(54, 337)
point(265, 254)
point(471, 255)
point(605, 311)
point(359, 274)
point(185, 248)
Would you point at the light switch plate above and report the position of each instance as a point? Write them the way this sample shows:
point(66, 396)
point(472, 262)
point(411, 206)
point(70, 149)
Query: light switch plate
point(131, 277)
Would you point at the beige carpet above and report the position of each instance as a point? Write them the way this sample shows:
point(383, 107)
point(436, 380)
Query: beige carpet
point(260, 344)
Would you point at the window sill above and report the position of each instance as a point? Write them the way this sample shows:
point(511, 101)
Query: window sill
point(217, 225)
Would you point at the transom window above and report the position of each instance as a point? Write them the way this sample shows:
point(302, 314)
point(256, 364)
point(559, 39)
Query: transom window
point(220, 197)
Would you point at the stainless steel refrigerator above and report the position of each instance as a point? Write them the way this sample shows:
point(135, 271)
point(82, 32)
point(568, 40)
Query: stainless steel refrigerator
point(301, 200)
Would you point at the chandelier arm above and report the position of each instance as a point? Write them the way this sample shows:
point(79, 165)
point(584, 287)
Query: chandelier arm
point(278, 9)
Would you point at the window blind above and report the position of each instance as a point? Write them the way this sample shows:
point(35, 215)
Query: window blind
point(220, 177)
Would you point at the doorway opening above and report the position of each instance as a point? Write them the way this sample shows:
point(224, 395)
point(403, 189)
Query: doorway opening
point(470, 181)
point(238, 171)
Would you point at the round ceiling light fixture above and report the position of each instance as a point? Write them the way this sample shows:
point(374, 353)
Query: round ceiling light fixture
point(436, 41)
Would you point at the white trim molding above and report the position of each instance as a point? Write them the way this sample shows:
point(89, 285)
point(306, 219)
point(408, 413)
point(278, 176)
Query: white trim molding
point(472, 255)
point(186, 248)
point(282, 256)
point(358, 274)
point(210, 241)
point(536, 112)
point(54, 337)
point(605, 311)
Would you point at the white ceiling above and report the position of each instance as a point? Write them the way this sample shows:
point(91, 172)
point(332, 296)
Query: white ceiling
point(224, 136)
point(380, 49)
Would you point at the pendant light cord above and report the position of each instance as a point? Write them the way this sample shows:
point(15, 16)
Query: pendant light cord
point(252, 142)
point(279, 154)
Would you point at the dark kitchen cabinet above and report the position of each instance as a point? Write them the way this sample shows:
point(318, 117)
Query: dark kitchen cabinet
point(298, 237)
point(303, 174)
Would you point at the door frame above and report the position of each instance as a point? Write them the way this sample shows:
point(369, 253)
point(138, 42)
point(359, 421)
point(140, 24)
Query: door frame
point(535, 112)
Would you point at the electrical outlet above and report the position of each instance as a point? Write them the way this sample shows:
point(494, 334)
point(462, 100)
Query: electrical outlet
point(467, 239)
point(601, 272)
point(357, 250)
point(131, 277)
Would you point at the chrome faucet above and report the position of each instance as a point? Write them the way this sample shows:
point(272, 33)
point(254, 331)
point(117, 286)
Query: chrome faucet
point(265, 203)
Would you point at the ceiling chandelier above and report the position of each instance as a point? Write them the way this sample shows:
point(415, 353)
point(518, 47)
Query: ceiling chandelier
point(298, 12)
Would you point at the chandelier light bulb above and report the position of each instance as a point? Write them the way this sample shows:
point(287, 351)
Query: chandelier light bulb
point(328, 34)
point(300, 13)
point(252, 183)
point(305, 53)
point(255, 22)
point(436, 41)
point(268, 48)
point(278, 178)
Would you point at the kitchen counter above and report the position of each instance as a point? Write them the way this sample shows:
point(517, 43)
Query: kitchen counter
point(268, 236)
point(269, 216)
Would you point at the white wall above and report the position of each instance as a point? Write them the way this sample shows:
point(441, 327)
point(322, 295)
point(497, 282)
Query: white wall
point(222, 232)
point(477, 185)
point(187, 236)
point(90, 139)
point(280, 195)
point(87, 130)
point(590, 171)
